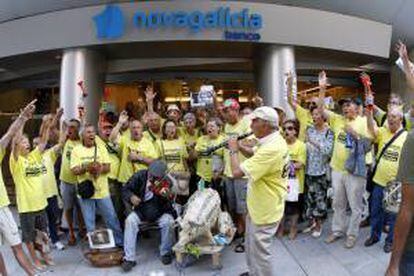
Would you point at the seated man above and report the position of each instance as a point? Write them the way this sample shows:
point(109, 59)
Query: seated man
point(149, 192)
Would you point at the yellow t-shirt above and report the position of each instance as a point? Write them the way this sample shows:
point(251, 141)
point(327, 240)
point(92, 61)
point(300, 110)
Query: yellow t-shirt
point(387, 167)
point(66, 174)
point(267, 171)
point(4, 198)
point(297, 152)
point(113, 153)
point(305, 119)
point(188, 138)
point(84, 155)
point(205, 162)
point(144, 147)
point(340, 152)
point(150, 137)
point(49, 158)
point(153, 137)
point(242, 127)
point(27, 172)
point(174, 152)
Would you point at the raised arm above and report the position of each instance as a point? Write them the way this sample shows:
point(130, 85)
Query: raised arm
point(289, 86)
point(62, 139)
point(150, 96)
point(123, 118)
point(373, 130)
point(323, 83)
point(17, 125)
point(401, 48)
point(16, 138)
point(45, 131)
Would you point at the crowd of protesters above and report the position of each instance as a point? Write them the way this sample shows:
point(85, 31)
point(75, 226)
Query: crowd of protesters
point(332, 160)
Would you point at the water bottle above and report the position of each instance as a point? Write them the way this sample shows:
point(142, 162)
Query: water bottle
point(201, 185)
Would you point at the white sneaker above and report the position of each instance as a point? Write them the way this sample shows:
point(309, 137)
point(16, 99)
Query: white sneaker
point(316, 234)
point(59, 246)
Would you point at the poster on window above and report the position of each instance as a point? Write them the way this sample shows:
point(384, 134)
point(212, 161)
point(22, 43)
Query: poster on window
point(204, 97)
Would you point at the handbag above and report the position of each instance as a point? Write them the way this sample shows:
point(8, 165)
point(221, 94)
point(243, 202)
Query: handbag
point(293, 190)
point(392, 191)
point(86, 189)
point(292, 185)
point(392, 197)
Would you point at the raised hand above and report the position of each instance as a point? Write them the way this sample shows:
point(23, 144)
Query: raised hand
point(401, 49)
point(322, 79)
point(123, 117)
point(59, 113)
point(29, 109)
point(149, 93)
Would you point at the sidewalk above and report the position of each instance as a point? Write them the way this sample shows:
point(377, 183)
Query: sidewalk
point(303, 256)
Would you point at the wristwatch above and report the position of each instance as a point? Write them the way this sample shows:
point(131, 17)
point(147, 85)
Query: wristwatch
point(233, 152)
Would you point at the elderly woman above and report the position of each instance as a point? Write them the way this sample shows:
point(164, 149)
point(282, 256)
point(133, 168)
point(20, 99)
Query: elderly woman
point(319, 144)
point(209, 165)
point(173, 150)
point(297, 154)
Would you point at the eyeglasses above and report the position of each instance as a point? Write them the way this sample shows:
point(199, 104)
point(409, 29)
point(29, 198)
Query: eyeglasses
point(288, 128)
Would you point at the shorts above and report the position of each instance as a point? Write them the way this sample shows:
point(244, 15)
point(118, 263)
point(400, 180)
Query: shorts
point(69, 195)
point(294, 207)
point(8, 228)
point(236, 192)
point(30, 222)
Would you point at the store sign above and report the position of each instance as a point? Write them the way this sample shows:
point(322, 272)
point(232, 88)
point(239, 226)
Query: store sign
point(239, 25)
point(110, 23)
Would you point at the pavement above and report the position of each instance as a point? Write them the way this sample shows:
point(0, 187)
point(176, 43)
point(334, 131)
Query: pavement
point(303, 256)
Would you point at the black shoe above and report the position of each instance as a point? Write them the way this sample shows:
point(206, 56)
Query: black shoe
point(364, 223)
point(387, 247)
point(166, 259)
point(128, 265)
point(244, 274)
point(371, 241)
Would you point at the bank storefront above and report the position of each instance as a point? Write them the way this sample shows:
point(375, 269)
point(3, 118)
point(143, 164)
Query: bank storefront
point(242, 48)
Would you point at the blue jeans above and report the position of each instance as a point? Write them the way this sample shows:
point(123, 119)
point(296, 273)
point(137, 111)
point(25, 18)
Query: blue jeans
point(378, 215)
point(106, 209)
point(407, 264)
point(165, 222)
point(52, 212)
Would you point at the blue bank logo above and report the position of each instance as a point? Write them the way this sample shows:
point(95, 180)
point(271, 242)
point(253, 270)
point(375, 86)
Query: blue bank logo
point(196, 21)
point(239, 25)
point(110, 23)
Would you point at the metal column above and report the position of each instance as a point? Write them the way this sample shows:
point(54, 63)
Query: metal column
point(81, 67)
point(272, 63)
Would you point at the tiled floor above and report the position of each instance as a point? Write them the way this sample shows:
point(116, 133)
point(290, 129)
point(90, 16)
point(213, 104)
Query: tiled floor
point(303, 256)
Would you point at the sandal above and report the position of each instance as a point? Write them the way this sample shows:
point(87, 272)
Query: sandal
point(239, 248)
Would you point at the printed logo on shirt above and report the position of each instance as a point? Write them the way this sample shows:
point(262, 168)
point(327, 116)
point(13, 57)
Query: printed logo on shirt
point(69, 152)
point(392, 153)
point(33, 170)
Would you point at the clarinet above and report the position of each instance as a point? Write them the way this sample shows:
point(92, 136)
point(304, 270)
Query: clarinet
point(212, 149)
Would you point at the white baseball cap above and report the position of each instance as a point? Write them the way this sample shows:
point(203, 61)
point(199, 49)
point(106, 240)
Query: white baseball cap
point(266, 113)
point(173, 107)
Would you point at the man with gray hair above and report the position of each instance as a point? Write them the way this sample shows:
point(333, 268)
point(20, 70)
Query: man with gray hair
point(266, 170)
point(390, 140)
